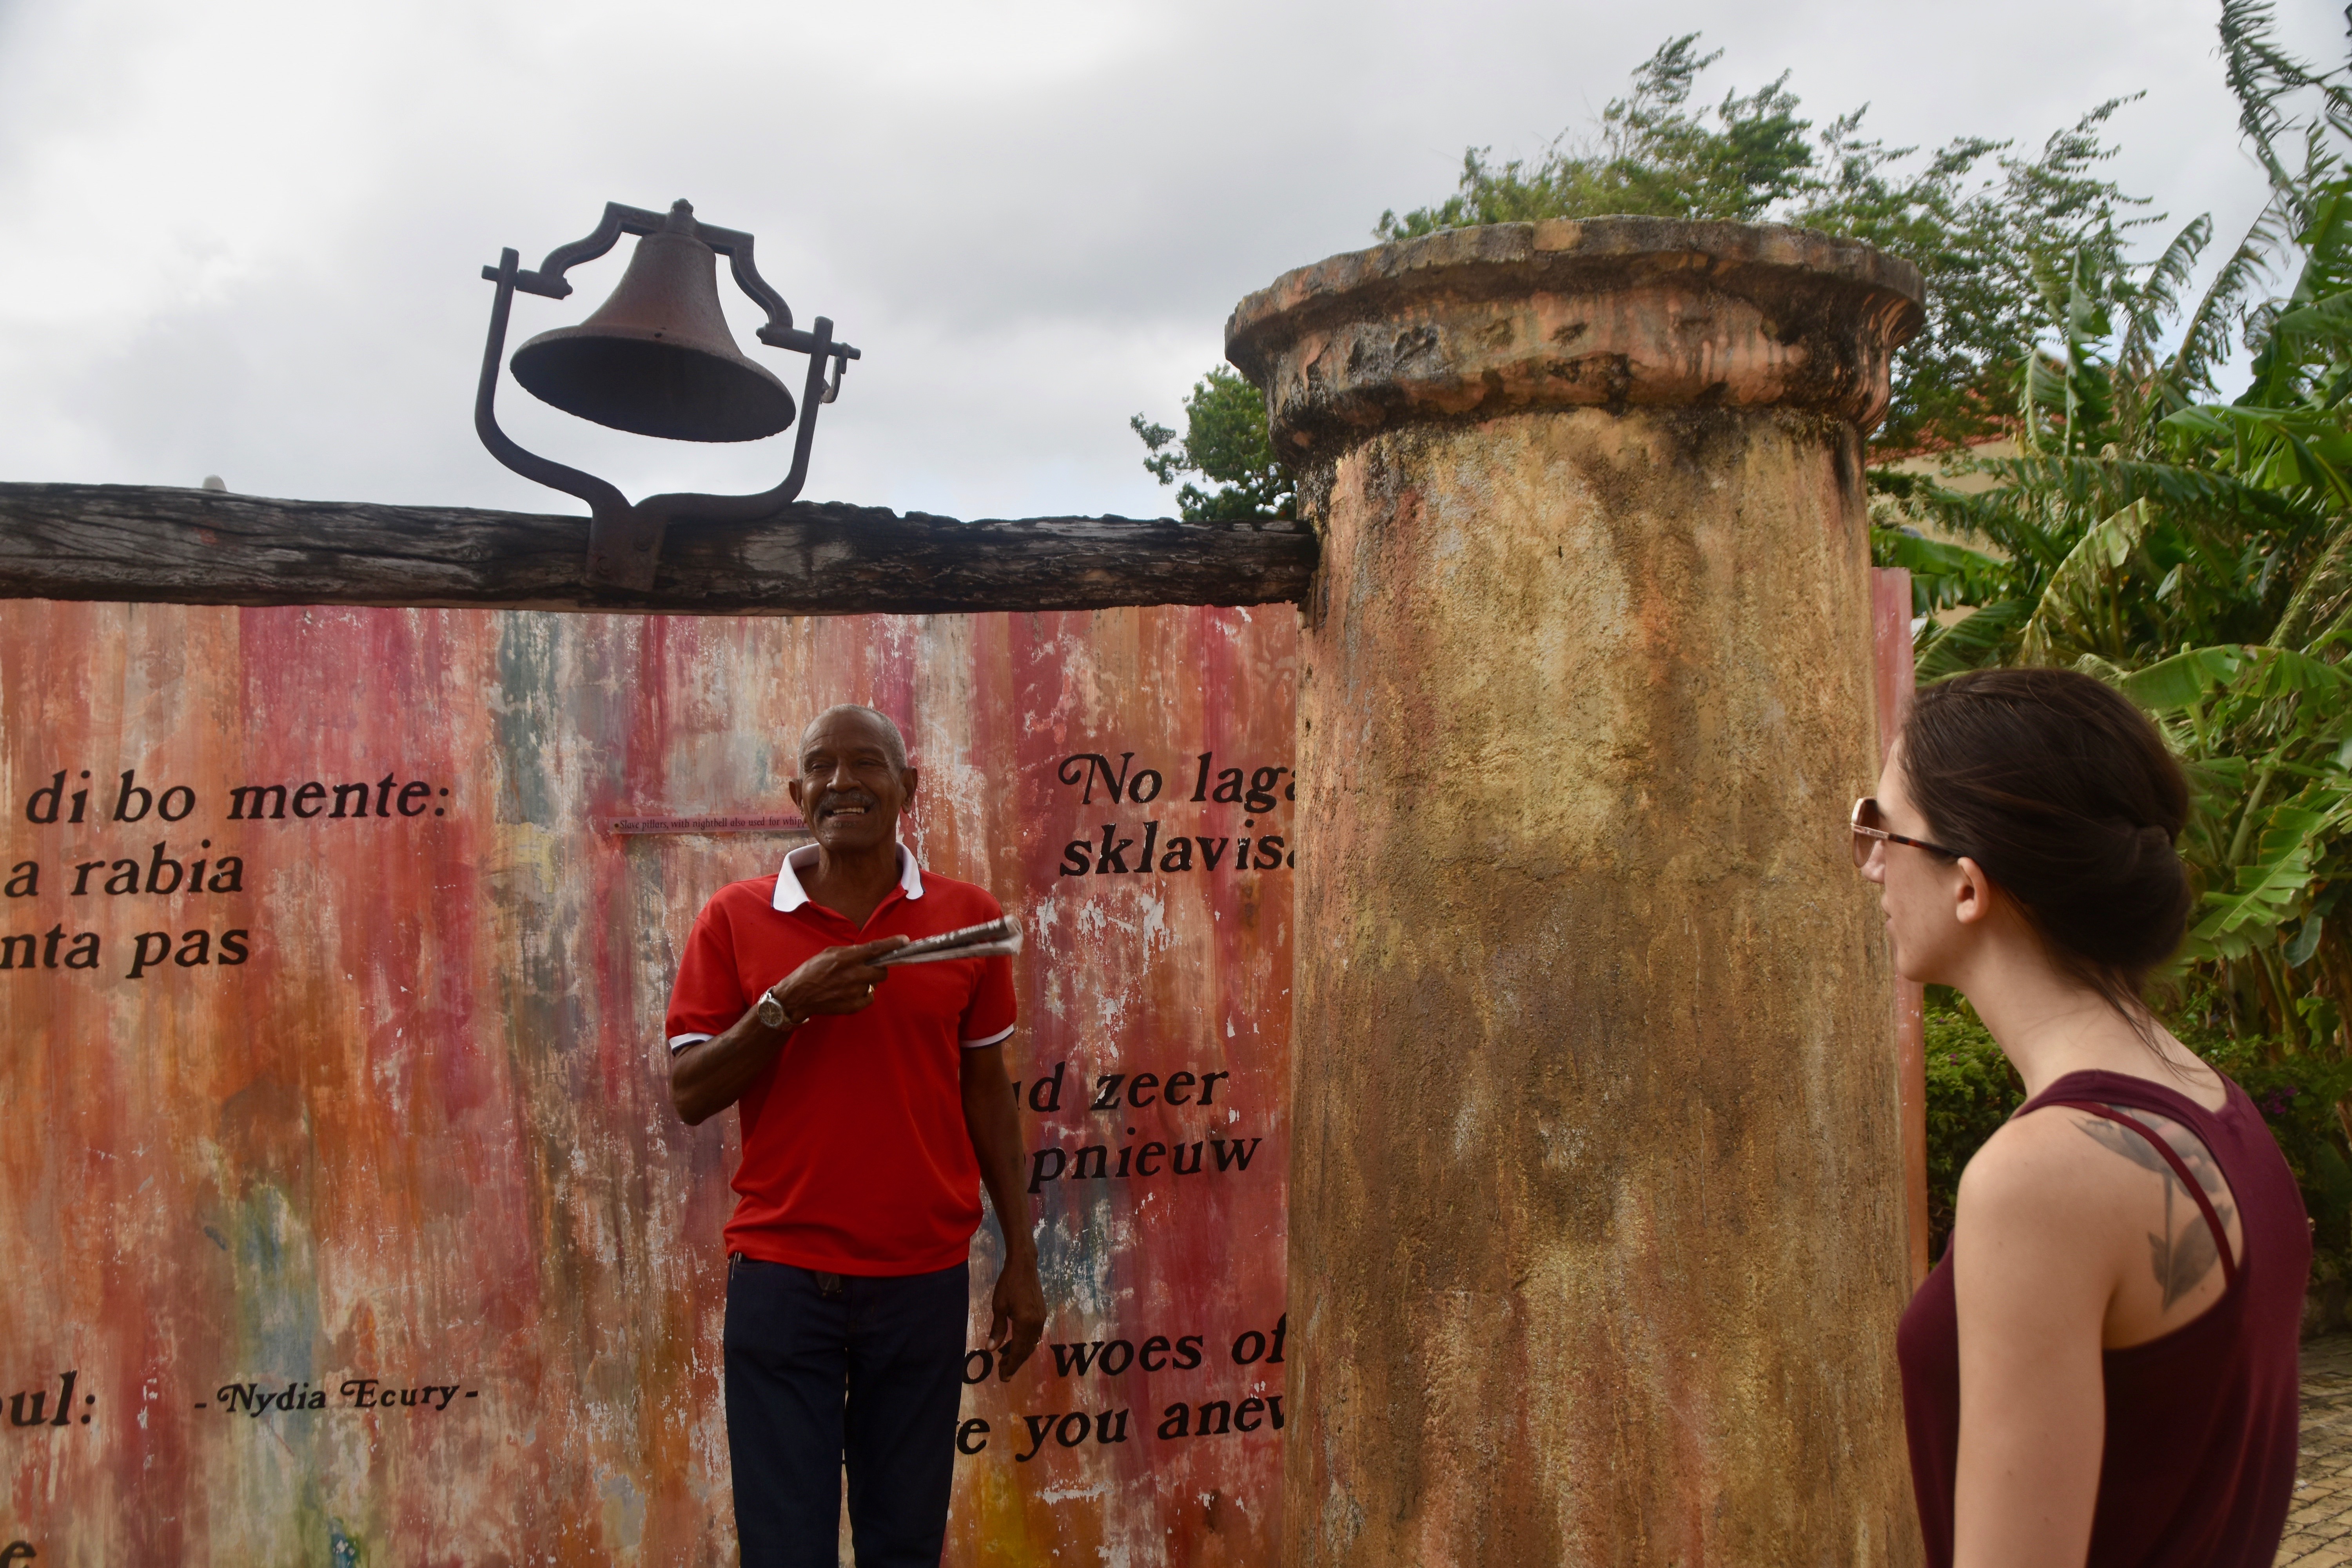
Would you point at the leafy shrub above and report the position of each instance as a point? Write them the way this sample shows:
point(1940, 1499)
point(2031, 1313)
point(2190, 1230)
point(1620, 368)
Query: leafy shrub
point(1973, 1090)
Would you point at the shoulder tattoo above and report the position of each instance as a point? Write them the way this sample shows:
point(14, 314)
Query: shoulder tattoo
point(2183, 1254)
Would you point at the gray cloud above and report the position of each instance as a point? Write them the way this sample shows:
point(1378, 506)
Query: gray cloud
point(245, 237)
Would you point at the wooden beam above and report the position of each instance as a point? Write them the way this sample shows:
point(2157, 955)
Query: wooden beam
point(130, 542)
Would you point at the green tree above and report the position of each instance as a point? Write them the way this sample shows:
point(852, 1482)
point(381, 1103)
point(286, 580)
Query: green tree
point(1984, 225)
point(1225, 442)
point(2196, 554)
point(1979, 221)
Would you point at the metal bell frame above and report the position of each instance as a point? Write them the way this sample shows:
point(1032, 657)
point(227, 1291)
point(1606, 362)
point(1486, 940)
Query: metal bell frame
point(624, 539)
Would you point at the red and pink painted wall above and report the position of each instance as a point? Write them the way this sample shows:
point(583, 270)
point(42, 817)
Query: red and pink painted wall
point(346, 1220)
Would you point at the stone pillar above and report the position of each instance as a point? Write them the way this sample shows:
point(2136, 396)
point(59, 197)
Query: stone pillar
point(1597, 1187)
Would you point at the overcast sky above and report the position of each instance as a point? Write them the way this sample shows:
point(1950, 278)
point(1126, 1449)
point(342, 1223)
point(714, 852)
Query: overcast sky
point(245, 237)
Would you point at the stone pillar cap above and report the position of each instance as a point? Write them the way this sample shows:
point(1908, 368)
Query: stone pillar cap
point(1613, 311)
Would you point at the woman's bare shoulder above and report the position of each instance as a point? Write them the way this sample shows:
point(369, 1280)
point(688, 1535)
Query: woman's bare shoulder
point(2055, 1168)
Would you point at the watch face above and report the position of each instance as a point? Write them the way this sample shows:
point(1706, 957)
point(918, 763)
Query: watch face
point(772, 1011)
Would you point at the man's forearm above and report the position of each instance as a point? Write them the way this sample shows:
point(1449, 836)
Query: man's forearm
point(707, 1077)
point(995, 1133)
point(996, 1140)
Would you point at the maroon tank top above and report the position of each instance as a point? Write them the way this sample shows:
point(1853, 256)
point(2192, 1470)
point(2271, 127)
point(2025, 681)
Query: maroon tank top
point(2198, 1467)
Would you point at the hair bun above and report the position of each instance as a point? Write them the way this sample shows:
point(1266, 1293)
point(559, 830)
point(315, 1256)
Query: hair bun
point(2071, 802)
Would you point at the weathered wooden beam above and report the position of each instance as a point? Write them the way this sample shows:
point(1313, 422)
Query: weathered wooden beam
point(203, 547)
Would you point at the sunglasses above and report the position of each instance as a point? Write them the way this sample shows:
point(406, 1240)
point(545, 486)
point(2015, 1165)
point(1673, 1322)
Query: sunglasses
point(1870, 827)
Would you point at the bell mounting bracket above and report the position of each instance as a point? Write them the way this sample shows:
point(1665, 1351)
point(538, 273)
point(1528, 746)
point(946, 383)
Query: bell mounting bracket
point(625, 538)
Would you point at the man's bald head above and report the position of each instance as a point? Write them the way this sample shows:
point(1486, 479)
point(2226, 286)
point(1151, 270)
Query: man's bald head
point(894, 744)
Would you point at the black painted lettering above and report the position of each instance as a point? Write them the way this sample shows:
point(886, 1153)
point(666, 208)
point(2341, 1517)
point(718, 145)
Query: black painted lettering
point(143, 960)
point(1138, 1088)
point(1072, 1429)
point(1107, 1091)
point(1108, 860)
point(1104, 1432)
point(1040, 1428)
point(1073, 1360)
point(1233, 1155)
point(1223, 1410)
point(309, 795)
point(1176, 1165)
point(1212, 850)
point(53, 792)
point(1150, 837)
point(1046, 1094)
point(346, 795)
point(232, 952)
point(244, 802)
point(1101, 1151)
point(1177, 1080)
point(1188, 1351)
point(1119, 1351)
point(82, 869)
point(420, 791)
point(155, 866)
point(1209, 1086)
point(1260, 798)
point(1155, 1353)
point(196, 948)
point(228, 875)
point(1038, 1172)
point(1176, 1421)
point(1078, 858)
point(971, 1436)
point(1179, 856)
point(1137, 795)
point(23, 880)
point(1145, 1155)
point(1248, 1414)
point(1200, 788)
point(10, 954)
point(184, 794)
point(122, 811)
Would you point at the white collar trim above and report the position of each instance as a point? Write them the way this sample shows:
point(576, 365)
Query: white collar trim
point(790, 895)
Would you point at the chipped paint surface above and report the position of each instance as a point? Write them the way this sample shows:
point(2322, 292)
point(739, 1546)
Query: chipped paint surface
point(414, 1151)
point(1598, 1205)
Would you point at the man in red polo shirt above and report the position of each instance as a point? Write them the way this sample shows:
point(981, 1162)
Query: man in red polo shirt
point(873, 1104)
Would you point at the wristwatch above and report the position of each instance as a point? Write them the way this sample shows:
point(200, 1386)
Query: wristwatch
point(770, 1011)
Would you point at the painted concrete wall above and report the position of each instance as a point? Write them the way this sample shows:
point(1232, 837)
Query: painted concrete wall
point(412, 1154)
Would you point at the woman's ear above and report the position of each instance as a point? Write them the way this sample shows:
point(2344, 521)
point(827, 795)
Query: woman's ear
point(1971, 892)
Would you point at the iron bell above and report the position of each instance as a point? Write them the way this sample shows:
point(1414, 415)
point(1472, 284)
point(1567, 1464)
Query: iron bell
point(656, 358)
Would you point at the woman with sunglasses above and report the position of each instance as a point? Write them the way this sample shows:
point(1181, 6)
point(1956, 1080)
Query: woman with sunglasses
point(2102, 1368)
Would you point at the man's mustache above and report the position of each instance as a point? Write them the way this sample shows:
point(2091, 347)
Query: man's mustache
point(836, 802)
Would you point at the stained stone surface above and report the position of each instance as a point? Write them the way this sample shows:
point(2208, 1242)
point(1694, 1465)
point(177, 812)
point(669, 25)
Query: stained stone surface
point(1597, 1210)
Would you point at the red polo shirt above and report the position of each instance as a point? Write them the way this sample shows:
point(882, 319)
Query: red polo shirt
point(856, 1157)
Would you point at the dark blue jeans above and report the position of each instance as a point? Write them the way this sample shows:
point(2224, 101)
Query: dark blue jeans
point(827, 1369)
